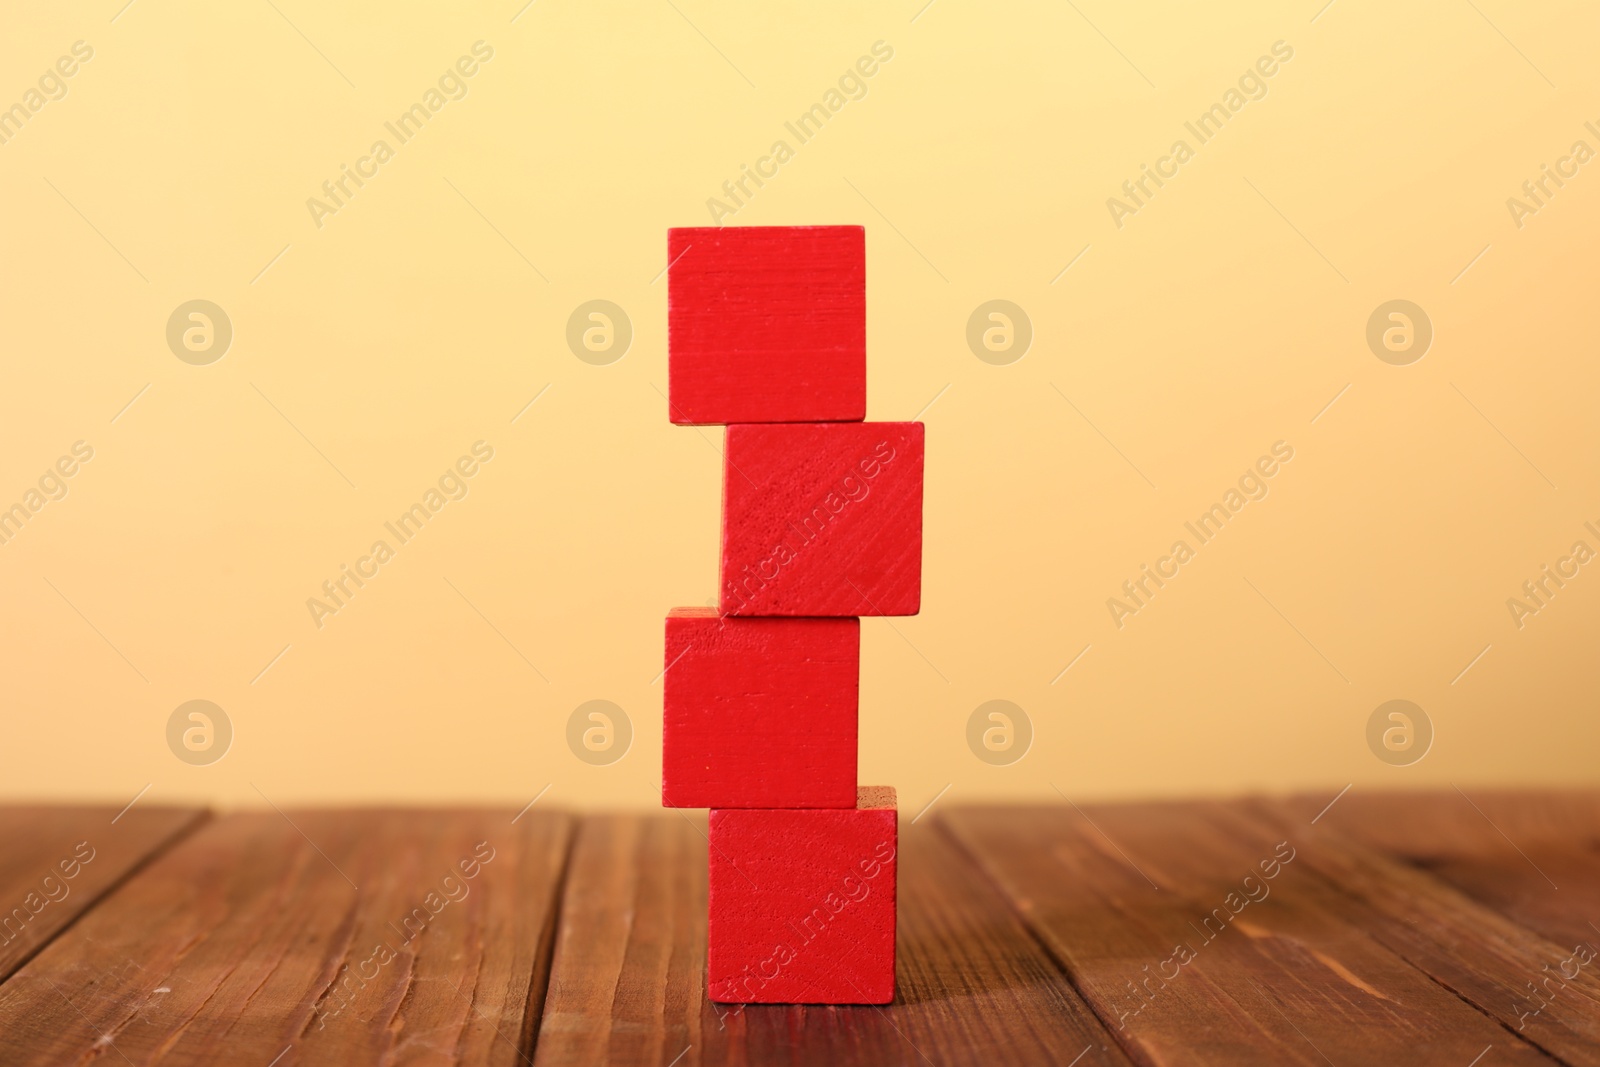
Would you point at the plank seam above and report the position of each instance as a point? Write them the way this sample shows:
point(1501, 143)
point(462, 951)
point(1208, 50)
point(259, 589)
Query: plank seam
point(1130, 1049)
point(177, 836)
point(544, 954)
point(1276, 820)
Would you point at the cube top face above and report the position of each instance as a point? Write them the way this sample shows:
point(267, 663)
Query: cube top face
point(876, 797)
point(803, 906)
point(766, 324)
point(759, 713)
point(822, 519)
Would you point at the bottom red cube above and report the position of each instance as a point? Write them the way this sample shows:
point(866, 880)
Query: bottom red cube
point(803, 903)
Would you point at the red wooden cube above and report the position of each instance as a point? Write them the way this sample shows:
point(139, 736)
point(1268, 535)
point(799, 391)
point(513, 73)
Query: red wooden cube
point(822, 519)
point(767, 324)
point(759, 713)
point(803, 904)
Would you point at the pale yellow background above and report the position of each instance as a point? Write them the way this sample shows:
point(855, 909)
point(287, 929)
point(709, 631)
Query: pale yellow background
point(1221, 318)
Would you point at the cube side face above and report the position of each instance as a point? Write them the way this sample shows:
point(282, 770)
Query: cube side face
point(802, 906)
point(766, 324)
point(760, 713)
point(822, 519)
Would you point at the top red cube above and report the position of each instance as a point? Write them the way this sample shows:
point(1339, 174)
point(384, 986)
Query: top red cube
point(767, 324)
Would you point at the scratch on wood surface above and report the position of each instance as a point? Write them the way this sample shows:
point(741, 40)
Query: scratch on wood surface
point(337, 959)
point(1349, 976)
point(471, 997)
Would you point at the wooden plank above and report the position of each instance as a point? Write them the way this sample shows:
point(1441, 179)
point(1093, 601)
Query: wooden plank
point(1204, 945)
point(250, 941)
point(1546, 992)
point(1533, 857)
point(628, 981)
point(56, 862)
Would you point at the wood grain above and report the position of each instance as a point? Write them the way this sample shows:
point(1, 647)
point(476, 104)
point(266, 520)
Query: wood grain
point(1397, 929)
point(628, 981)
point(57, 862)
point(250, 941)
point(1534, 857)
point(767, 324)
point(1505, 970)
point(759, 713)
point(1199, 944)
point(822, 519)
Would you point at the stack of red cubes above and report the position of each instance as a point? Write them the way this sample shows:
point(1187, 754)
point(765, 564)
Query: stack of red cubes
point(821, 524)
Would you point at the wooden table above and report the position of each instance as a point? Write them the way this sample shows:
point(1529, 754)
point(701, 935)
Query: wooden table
point(1456, 928)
